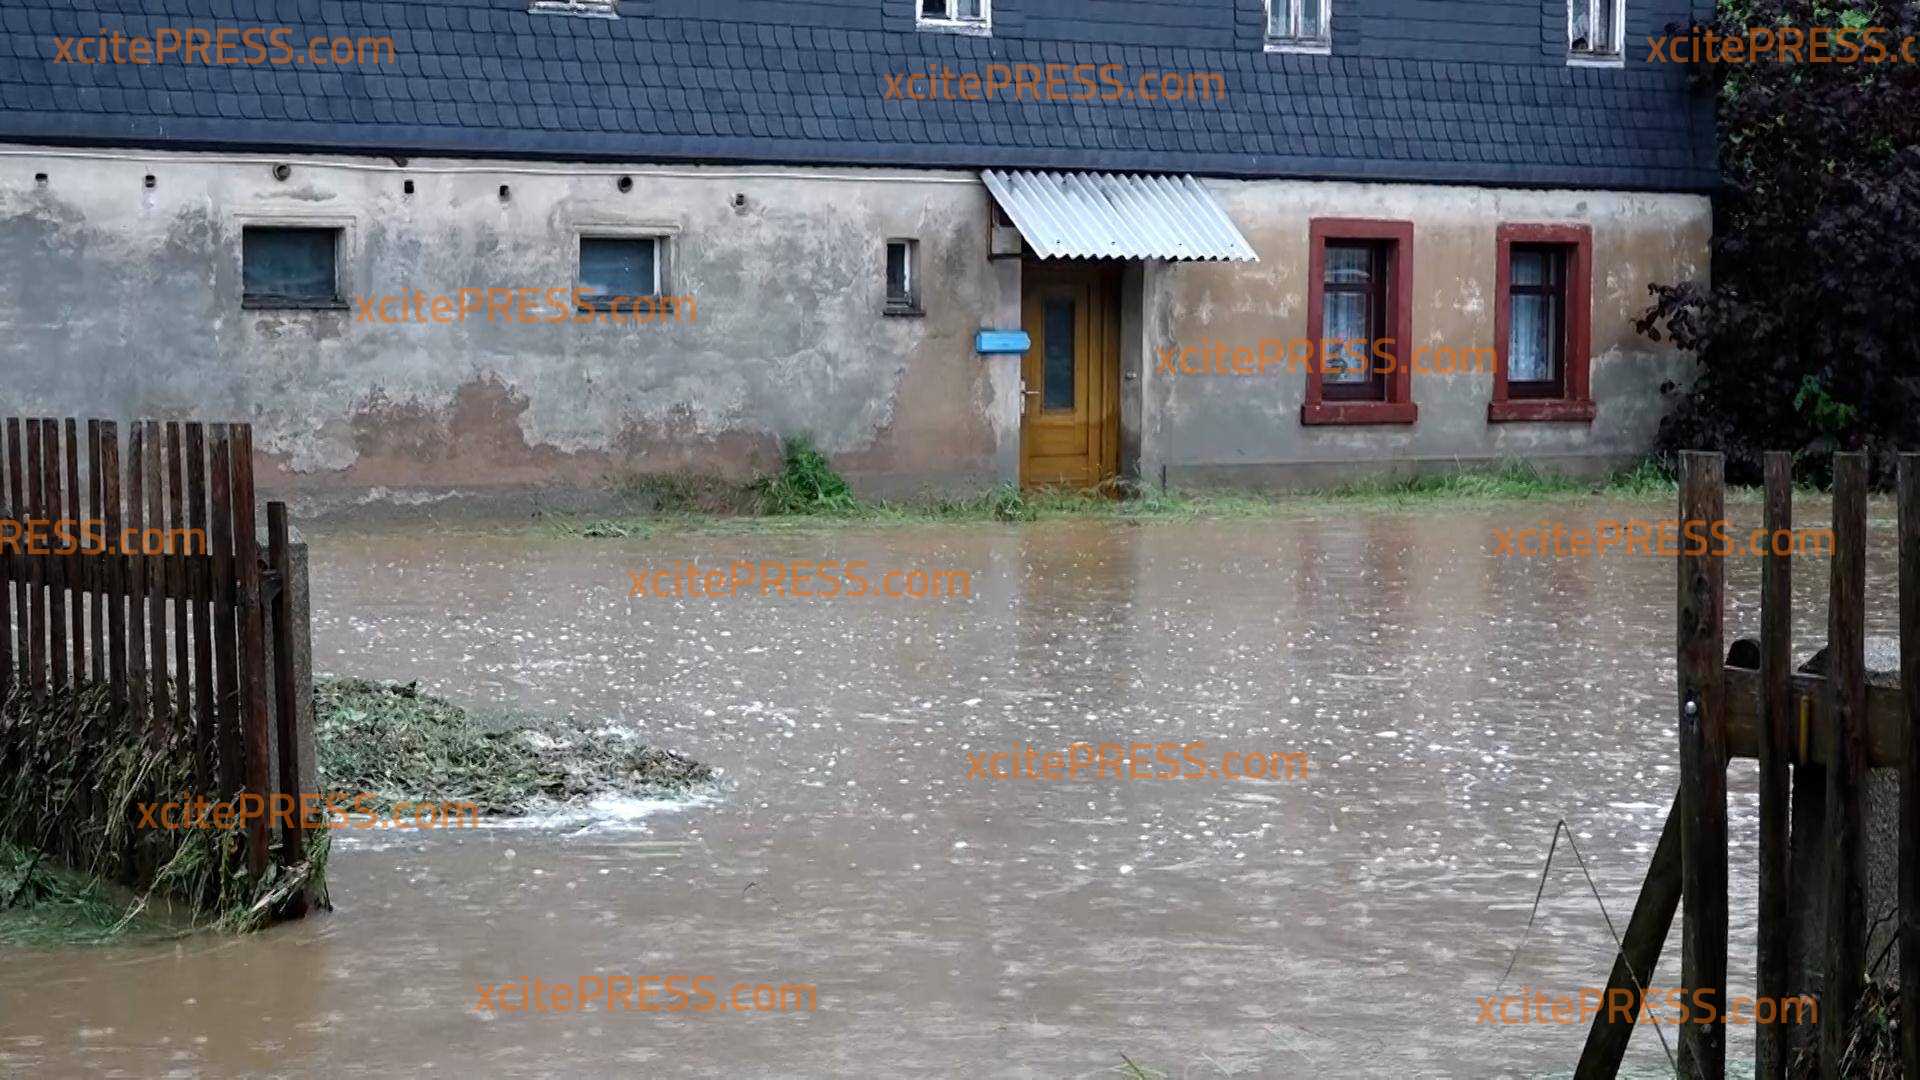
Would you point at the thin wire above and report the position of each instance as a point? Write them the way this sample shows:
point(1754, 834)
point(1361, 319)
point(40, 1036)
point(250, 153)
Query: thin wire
point(1621, 946)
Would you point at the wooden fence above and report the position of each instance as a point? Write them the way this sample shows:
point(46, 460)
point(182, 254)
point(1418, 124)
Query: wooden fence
point(1816, 735)
point(182, 621)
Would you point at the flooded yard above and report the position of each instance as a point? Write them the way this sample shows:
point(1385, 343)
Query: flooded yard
point(1452, 705)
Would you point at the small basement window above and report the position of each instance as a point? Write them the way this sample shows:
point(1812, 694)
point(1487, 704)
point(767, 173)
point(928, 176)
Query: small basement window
point(965, 16)
point(289, 267)
point(617, 267)
point(903, 277)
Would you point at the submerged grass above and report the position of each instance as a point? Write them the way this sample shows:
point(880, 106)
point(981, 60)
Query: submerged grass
point(806, 495)
point(84, 872)
point(1873, 1044)
point(73, 768)
point(56, 906)
point(402, 745)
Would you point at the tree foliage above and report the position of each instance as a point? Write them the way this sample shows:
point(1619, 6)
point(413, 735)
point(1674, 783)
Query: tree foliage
point(1809, 336)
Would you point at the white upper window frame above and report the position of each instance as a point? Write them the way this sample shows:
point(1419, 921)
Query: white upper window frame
point(953, 23)
point(1287, 36)
point(591, 9)
point(1612, 53)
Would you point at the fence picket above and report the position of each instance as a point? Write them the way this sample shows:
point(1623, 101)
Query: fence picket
point(58, 563)
point(77, 566)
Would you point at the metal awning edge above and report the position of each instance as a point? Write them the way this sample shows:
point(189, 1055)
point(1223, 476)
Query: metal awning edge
point(1095, 215)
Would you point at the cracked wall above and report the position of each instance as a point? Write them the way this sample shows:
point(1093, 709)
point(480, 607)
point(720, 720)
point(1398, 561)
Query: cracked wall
point(124, 301)
point(1234, 429)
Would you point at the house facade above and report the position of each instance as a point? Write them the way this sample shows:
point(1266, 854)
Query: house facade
point(440, 246)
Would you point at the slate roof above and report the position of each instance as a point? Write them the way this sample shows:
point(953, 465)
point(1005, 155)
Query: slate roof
point(1424, 90)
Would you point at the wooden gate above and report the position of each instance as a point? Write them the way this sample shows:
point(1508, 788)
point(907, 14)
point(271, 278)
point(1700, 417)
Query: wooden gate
point(1816, 734)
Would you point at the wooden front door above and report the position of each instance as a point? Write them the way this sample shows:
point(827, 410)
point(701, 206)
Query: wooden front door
point(1070, 411)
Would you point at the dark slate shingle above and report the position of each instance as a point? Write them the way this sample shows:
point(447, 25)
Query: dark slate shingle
point(1415, 89)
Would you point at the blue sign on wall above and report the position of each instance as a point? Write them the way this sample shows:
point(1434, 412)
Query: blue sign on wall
point(989, 342)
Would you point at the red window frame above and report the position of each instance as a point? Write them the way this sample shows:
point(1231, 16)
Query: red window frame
point(1398, 407)
point(1576, 404)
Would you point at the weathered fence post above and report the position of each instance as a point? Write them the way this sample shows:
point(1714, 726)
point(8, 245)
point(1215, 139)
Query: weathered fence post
point(1771, 1041)
point(22, 611)
point(1910, 763)
point(1846, 759)
point(1703, 770)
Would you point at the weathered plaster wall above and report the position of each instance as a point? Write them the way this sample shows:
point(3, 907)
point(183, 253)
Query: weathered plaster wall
point(120, 300)
point(1247, 430)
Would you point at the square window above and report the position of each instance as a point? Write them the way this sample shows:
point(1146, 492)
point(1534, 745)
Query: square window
point(1542, 329)
point(903, 277)
point(1593, 28)
point(1298, 23)
point(282, 266)
point(618, 267)
point(1359, 311)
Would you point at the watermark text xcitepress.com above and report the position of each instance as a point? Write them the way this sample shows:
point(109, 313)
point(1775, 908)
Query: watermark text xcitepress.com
point(250, 46)
point(1023, 762)
point(89, 536)
point(806, 578)
point(1334, 356)
point(1054, 82)
point(1698, 1007)
point(623, 993)
point(1812, 45)
point(1658, 538)
point(521, 307)
point(316, 810)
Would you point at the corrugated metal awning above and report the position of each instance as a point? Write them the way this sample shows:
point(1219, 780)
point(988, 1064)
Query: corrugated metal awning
point(1090, 215)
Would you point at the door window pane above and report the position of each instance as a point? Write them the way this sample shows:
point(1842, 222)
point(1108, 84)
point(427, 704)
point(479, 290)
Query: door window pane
point(1057, 374)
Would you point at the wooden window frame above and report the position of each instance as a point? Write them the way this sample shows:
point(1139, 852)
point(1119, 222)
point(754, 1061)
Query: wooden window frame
point(1290, 38)
point(1575, 405)
point(342, 229)
point(662, 264)
point(981, 26)
point(1607, 53)
point(1398, 406)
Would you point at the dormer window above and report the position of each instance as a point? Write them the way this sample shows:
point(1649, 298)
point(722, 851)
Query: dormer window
point(592, 9)
point(955, 16)
point(1594, 29)
point(1298, 26)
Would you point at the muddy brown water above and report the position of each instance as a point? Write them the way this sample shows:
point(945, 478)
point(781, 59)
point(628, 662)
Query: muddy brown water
point(1453, 705)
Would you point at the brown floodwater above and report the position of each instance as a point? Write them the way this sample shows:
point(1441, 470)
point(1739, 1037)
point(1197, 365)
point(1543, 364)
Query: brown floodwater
point(1453, 705)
